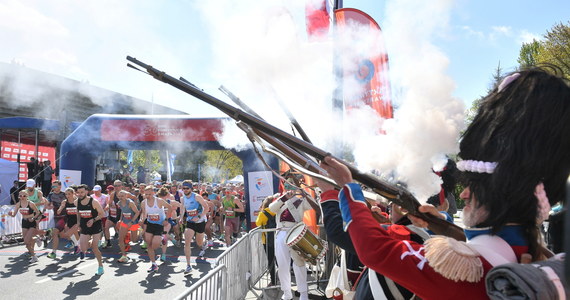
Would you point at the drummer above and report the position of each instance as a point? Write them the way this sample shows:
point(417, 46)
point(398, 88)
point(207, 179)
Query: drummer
point(289, 210)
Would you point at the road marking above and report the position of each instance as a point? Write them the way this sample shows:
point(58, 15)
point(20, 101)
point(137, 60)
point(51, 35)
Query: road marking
point(65, 273)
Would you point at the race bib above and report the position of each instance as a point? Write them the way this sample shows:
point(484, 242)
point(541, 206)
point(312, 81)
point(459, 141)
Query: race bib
point(192, 212)
point(71, 210)
point(113, 212)
point(85, 213)
point(230, 213)
point(24, 211)
point(154, 217)
point(127, 216)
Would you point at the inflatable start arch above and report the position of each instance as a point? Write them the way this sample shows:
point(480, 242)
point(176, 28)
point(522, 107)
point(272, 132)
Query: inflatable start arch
point(101, 132)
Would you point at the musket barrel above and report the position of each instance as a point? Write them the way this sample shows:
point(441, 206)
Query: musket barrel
point(395, 193)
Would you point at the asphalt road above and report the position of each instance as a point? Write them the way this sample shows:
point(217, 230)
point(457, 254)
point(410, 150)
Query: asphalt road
point(69, 277)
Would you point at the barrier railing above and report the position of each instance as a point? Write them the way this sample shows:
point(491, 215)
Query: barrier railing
point(210, 287)
point(237, 259)
point(245, 263)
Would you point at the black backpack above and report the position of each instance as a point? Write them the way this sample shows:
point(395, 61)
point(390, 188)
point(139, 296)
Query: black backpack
point(271, 223)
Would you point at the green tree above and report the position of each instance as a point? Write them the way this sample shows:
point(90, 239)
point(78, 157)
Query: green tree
point(528, 54)
point(221, 165)
point(553, 49)
point(556, 48)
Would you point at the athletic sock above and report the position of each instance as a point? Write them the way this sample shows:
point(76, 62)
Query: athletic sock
point(74, 240)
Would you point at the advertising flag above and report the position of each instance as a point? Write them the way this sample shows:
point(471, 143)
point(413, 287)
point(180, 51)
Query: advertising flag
point(368, 69)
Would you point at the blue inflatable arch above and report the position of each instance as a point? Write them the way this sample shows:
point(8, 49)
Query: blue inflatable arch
point(102, 132)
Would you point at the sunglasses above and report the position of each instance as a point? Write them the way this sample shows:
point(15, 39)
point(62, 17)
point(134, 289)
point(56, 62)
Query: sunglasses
point(185, 188)
point(22, 196)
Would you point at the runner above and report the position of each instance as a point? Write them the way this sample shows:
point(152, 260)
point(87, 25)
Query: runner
point(209, 220)
point(103, 200)
point(89, 219)
point(172, 218)
point(55, 199)
point(71, 230)
point(30, 213)
point(231, 205)
point(153, 213)
point(114, 211)
point(37, 197)
point(129, 215)
point(196, 209)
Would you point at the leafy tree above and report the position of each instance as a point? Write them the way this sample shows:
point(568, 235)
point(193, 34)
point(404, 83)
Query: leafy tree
point(553, 49)
point(220, 165)
point(556, 48)
point(528, 54)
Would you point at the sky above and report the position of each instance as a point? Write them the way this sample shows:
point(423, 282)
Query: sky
point(442, 55)
point(88, 40)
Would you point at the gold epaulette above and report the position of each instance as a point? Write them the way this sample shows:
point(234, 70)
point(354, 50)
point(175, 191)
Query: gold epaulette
point(453, 259)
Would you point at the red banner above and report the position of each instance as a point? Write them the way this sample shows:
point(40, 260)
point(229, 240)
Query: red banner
point(166, 130)
point(370, 71)
point(10, 151)
point(317, 19)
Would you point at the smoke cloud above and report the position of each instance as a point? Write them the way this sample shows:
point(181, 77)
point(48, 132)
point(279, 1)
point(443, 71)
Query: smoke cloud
point(264, 54)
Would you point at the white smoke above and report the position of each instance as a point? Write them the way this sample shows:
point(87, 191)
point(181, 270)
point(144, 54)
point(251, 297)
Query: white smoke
point(262, 50)
point(428, 121)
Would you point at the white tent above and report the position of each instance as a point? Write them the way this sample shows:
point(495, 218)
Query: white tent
point(8, 173)
point(237, 179)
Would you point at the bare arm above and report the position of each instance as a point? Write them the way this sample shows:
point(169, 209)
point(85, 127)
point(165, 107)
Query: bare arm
point(205, 207)
point(143, 212)
point(133, 206)
point(240, 207)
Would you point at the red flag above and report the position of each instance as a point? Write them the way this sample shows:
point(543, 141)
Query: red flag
point(370, 71)
point(317, 18)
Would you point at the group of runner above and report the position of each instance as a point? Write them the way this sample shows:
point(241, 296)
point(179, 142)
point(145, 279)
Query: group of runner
point(148, 215)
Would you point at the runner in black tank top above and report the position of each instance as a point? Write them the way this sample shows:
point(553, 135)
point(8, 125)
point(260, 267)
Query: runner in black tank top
point(90, 214)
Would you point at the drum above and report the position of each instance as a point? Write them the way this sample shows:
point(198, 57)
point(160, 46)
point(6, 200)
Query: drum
point(306, 244)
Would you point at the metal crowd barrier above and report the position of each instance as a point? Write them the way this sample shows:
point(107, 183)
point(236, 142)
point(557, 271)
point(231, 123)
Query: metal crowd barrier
point(209, 287)
point(11, 227)
point(237, 259)
point(245, 263)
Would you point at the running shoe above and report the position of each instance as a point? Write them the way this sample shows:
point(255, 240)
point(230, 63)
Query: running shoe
point(188, 270)
point(100, 271)
point(123, 259)
point(163, 257)
point(81, 254)
point(202, 253)
point(153, 268)
point(45, 240)
point(33, 259)
point(144, 245)
point(51, 255)
point(107, 244)
point(210, 243)
point(68, 245)
point(127, 248)
point(38, 241)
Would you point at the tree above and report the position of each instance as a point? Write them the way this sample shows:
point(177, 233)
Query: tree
point(220, 165)
point(528, 54)
point(554, 49)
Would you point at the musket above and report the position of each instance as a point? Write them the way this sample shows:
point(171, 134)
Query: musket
point(394, 193)
point(284, 148)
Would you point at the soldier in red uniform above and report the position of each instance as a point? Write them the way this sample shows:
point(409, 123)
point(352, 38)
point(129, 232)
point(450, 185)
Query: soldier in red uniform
point(514, 165)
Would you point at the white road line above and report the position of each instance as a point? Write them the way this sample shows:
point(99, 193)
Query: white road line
point(65, 273)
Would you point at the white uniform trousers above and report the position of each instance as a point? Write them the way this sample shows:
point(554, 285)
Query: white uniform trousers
point(283, 258)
